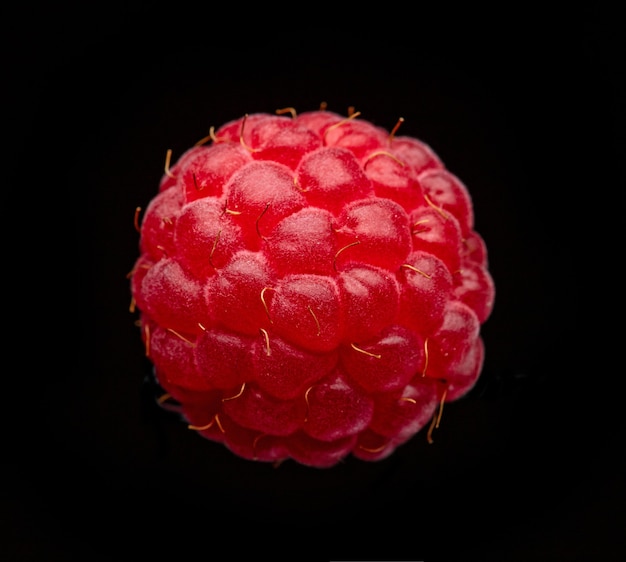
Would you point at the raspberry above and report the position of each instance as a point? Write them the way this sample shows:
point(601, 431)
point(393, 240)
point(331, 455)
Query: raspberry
point(311, 287)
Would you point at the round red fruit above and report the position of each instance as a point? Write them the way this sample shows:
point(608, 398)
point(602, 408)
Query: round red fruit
point(311, 287)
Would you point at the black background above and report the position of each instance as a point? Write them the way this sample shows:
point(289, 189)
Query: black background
point(526, 108)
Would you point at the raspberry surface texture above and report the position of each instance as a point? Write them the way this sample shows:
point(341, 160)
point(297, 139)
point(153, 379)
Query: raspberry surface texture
point(311, 286)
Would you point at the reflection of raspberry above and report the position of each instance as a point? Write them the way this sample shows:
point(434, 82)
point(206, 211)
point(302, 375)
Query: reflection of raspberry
point(311, 287)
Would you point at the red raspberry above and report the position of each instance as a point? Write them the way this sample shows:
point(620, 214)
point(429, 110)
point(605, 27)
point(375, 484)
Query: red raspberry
point(311, 287)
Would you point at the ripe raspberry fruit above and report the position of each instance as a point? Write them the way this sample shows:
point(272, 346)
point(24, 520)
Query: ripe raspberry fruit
point(311, 287)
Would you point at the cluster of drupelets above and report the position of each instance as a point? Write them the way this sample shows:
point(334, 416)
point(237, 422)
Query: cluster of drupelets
point(311, 286)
